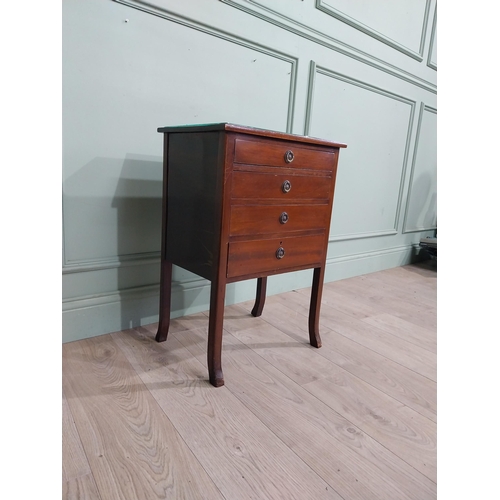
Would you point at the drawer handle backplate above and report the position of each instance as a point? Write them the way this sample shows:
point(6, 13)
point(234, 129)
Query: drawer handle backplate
point(286, 186)
point(283, 218)
point(280, 253)
point(289, 156)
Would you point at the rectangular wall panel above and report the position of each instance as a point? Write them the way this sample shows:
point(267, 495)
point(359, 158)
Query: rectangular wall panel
point(391, 34)
point(353, 72)
point(127, 80)
point(400, 24)
point(432, 59)
point(421, 207)
point(376, 125)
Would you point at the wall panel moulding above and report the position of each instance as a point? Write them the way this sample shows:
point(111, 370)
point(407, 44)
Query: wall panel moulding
point(406, 36)
point(420, 213)
point(370, 184)
point(283, 19)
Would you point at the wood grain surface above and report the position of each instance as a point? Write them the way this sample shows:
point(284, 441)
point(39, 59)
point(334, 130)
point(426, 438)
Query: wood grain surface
point(259, 256)
point(133, 449)
point(270, 186)
point(355, 419)
point(262, 219)
point(272, 153)
point(241, 454)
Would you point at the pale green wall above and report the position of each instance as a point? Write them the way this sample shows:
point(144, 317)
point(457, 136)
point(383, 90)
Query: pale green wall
point(328, 68)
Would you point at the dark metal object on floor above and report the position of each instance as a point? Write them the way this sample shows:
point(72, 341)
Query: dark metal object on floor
point(429, 244)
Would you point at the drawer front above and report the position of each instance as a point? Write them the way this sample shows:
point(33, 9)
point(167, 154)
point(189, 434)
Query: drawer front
point(283, 219)
point(282, 154)
point(265, 256)
point(258, 185)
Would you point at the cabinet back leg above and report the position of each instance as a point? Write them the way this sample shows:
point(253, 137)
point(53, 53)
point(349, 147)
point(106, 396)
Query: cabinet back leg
point(165, 300)
point(260, 297)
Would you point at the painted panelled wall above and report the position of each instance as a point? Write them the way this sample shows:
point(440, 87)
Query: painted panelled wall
point(353, 71)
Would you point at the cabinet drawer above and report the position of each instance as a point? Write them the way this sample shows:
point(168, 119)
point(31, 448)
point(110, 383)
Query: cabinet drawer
point(261, 256)
point(278, 154)
point(260, 219)
point(259, 185)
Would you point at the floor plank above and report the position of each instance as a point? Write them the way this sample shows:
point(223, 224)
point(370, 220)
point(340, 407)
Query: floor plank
point(353, 463)
point(80, 488)
point(388, 321)
point(354, 295)
point(133, 450)
point(353, 420)
point(296, 357)
point(400, 429)
point(391, 285)
point(405, 330)
point(392, 347)
point(424, 315)
point(403, 384)
point(74, 460)
point(242, 456)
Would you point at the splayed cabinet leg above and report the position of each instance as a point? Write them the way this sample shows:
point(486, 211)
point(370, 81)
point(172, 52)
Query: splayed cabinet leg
point(260, 297)
point(215, 322)
point(165, 300)
point(314, 309)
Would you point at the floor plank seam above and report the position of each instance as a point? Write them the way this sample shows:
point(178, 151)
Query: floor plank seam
point(84, 450)
point(332, 409)
point(389, 333)
point(313, 395)
point(263, 423)
point(368, 410)
point(318, 352)
point(322, 327)
point(378, 389)
point(374, 438)
point(393, 360)
point(304, 314)
point(291, 450)
point(178, 433)
point(228, 388)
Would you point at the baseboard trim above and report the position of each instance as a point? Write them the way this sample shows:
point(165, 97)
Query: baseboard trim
point(87, 317)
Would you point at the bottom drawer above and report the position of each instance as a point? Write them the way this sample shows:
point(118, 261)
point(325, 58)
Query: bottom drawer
point(274, 255)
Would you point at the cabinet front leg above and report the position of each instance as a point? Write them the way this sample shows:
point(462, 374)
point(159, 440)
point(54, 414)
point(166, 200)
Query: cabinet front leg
point(260, 297)
point(316, 292)
point(215, 324)
point(165, 299)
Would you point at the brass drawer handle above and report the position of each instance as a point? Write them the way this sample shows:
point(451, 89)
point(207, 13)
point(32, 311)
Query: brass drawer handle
point(289, 156)
point(283, 218)
point(280, 253)
point(286, 186)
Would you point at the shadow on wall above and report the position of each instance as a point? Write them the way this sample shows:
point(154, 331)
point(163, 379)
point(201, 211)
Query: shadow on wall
point(138, 204)
point(112, 222)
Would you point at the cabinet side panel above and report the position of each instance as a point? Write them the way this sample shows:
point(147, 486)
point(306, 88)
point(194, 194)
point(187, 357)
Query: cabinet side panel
point(193, 201)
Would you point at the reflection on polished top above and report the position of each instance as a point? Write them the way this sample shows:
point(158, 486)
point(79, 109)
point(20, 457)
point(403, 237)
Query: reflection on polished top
point(231, 127)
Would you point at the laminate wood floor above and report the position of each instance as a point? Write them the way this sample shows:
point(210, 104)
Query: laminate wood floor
point(355, 419)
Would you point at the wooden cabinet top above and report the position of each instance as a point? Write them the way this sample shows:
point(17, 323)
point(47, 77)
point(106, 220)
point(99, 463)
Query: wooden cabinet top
point(231, 127)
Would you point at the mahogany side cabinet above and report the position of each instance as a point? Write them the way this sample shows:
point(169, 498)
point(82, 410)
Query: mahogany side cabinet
point(242, 203)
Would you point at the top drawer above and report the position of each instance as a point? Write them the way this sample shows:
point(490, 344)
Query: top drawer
point(282, 154)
